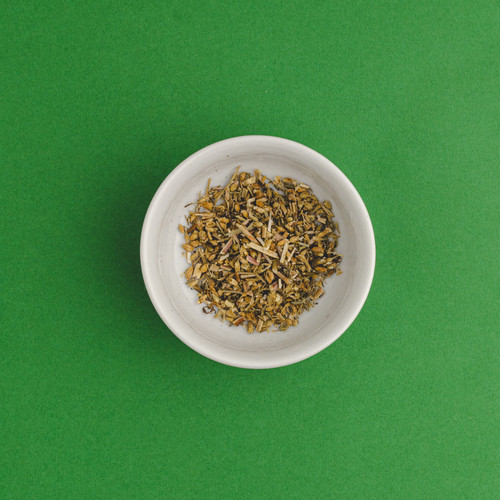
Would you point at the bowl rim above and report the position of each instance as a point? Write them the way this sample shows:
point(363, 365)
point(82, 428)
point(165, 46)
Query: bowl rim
point(147, 267)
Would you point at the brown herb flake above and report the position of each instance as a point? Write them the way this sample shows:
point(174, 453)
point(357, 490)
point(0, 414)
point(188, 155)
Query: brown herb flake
point(259, 250)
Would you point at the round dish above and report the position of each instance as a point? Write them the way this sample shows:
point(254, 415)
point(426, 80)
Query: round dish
point(163, 264)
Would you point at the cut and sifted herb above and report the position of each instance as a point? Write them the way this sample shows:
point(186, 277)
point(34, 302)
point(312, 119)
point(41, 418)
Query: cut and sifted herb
point(259, 250)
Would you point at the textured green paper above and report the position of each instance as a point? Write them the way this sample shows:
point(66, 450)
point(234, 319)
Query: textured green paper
point(99, 101)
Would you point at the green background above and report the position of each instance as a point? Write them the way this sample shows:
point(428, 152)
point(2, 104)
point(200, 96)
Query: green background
point(100, 101)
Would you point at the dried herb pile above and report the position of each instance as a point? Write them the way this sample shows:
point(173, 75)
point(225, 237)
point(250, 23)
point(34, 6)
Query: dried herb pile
point(259, 250)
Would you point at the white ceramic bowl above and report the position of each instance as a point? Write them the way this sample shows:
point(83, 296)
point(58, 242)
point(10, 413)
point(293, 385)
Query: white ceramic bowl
point(163, 263)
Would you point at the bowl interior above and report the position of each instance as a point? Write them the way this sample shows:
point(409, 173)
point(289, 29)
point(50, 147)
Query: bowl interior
point(164, 264)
